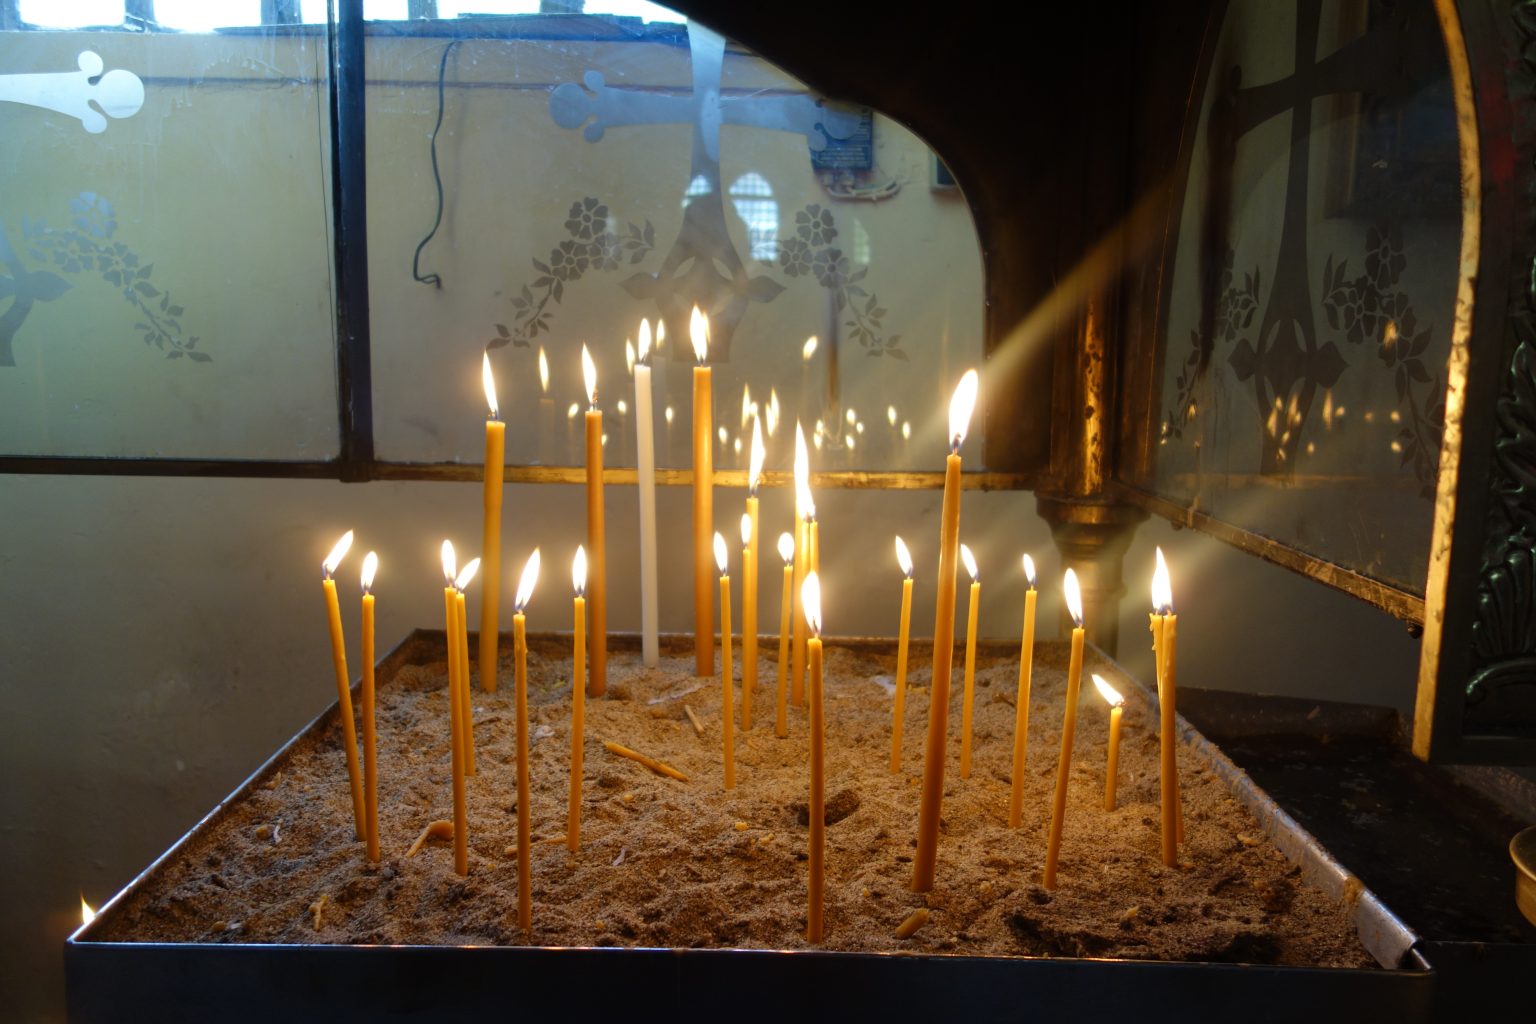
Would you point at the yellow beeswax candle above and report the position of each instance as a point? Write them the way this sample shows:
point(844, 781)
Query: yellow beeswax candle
point(811, 599)
point(1021, 702)
point(524, 789)
point(925, 861)
point(343, 686)
point(727, 704)
point(703, 499)
point(1116, 707)
point(597, 542)
point(1164, 629)
point(903, 559)
point(968, 702)
point(370, 736)
point(455, 716)
point(803, 516)
point(466, 708)
point(749, 567)
point(490, 583)
point(1068, 730)
point(786, 604)
point(746, 643)
point(578, 699)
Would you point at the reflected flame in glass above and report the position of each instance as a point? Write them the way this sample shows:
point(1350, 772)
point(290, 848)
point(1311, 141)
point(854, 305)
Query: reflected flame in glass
point(805, 505)
point(759, 454)
point(645, 340)
point(809, 348)
point(543, 371)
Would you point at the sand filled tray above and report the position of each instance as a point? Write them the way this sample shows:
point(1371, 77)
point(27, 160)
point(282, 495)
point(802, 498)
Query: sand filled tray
point(670, 865)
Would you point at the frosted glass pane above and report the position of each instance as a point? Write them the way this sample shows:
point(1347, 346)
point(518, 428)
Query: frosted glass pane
point(552, 236)
point(166, 288)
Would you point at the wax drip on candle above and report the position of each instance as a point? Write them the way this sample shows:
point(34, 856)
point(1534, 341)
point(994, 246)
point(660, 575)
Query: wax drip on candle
point(903, 557)
point(970, 563)
point(370, 569)
point(960, 408)
point(589, 375)
point(488, 381)
point(450, 564)
point(526, 582)
point(1109, 693)
point(786, 548)
point(333, 560)
point(1029, 571)
point(579, 571)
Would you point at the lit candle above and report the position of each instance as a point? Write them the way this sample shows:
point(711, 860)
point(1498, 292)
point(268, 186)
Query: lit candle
point(1116, 707)
point(749, 566)
point(466, 712)
point(903, 559)
point(597, 680)
point(1021, 702)
point(645, 446)
point(926, 858)
point(343, 688)
point(787, 553)
point(370, 737)
point(703, 498)
point(1165, 630)
point(578, 698)
point(455, 715)
point(968, 702)
point(727, 704)
point(490, 585)
point(1068, 728)
point(805, 511)
point(811, 600)
point(524, 796)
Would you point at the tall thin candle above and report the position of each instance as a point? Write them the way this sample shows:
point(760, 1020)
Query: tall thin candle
point(903, 559)
point(597, 539)
point(1068, 729)
point(466, 708)
point(749, 566)
point(1116, 709)
point(727, 704)
point(370, 736)
point(1165, 630)
point(645, 447)
point(811, 599)
point(926, 859)
point(524, 795)
point(1021, 702)
point(968, 702)
point(805, 512)
point(703, 498)
point(490, 583)
point(578, 698)
point(455, 717)
point(786, 603)
point(343, 687)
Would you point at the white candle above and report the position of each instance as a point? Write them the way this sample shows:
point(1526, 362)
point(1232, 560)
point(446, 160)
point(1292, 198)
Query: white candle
point(646, 447)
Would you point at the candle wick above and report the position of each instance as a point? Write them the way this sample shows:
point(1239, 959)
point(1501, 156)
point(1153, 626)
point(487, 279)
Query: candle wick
point(954, 446)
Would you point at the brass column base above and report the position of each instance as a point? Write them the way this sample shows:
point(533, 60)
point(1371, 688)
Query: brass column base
point(1092, 536)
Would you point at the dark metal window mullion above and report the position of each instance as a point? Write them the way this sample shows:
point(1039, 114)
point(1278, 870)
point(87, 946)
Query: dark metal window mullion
point(349, 205)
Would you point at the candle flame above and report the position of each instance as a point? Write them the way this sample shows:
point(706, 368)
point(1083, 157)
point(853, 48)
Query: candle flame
point(720, 556)
point(629, 357)
point(773, 410)
point(890, 415)
point(488, 381)
point(589, 374)
point(1162, 587)
point(810, 600)
point(805, 505)
point(338, 552)
point(809, 348)
point(370, 570)
point(698, 331)
point(87, 912)
point(906, 430)
point(746, 404)
point(645, 340)
point(661, 333)
point(970, 561)
point(526, 581)
point(903, 557)
point(669, 415)
point(543, 371)
point(746, 529)
point(1029, 571)
point(573, 411)
point(449, 563)
point(960, 408)
point(1074, 598)
point(759, 454)
point(579, 570)
point(786, 547)
point(1109, 693)
point(466, 574)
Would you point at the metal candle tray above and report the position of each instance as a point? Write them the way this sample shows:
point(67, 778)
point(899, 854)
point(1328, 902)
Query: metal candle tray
point(165, 982)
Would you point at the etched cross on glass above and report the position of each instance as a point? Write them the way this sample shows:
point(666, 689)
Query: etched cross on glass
point(703, 267)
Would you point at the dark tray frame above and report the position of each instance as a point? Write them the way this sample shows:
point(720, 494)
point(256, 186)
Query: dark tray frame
point(265, 983)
